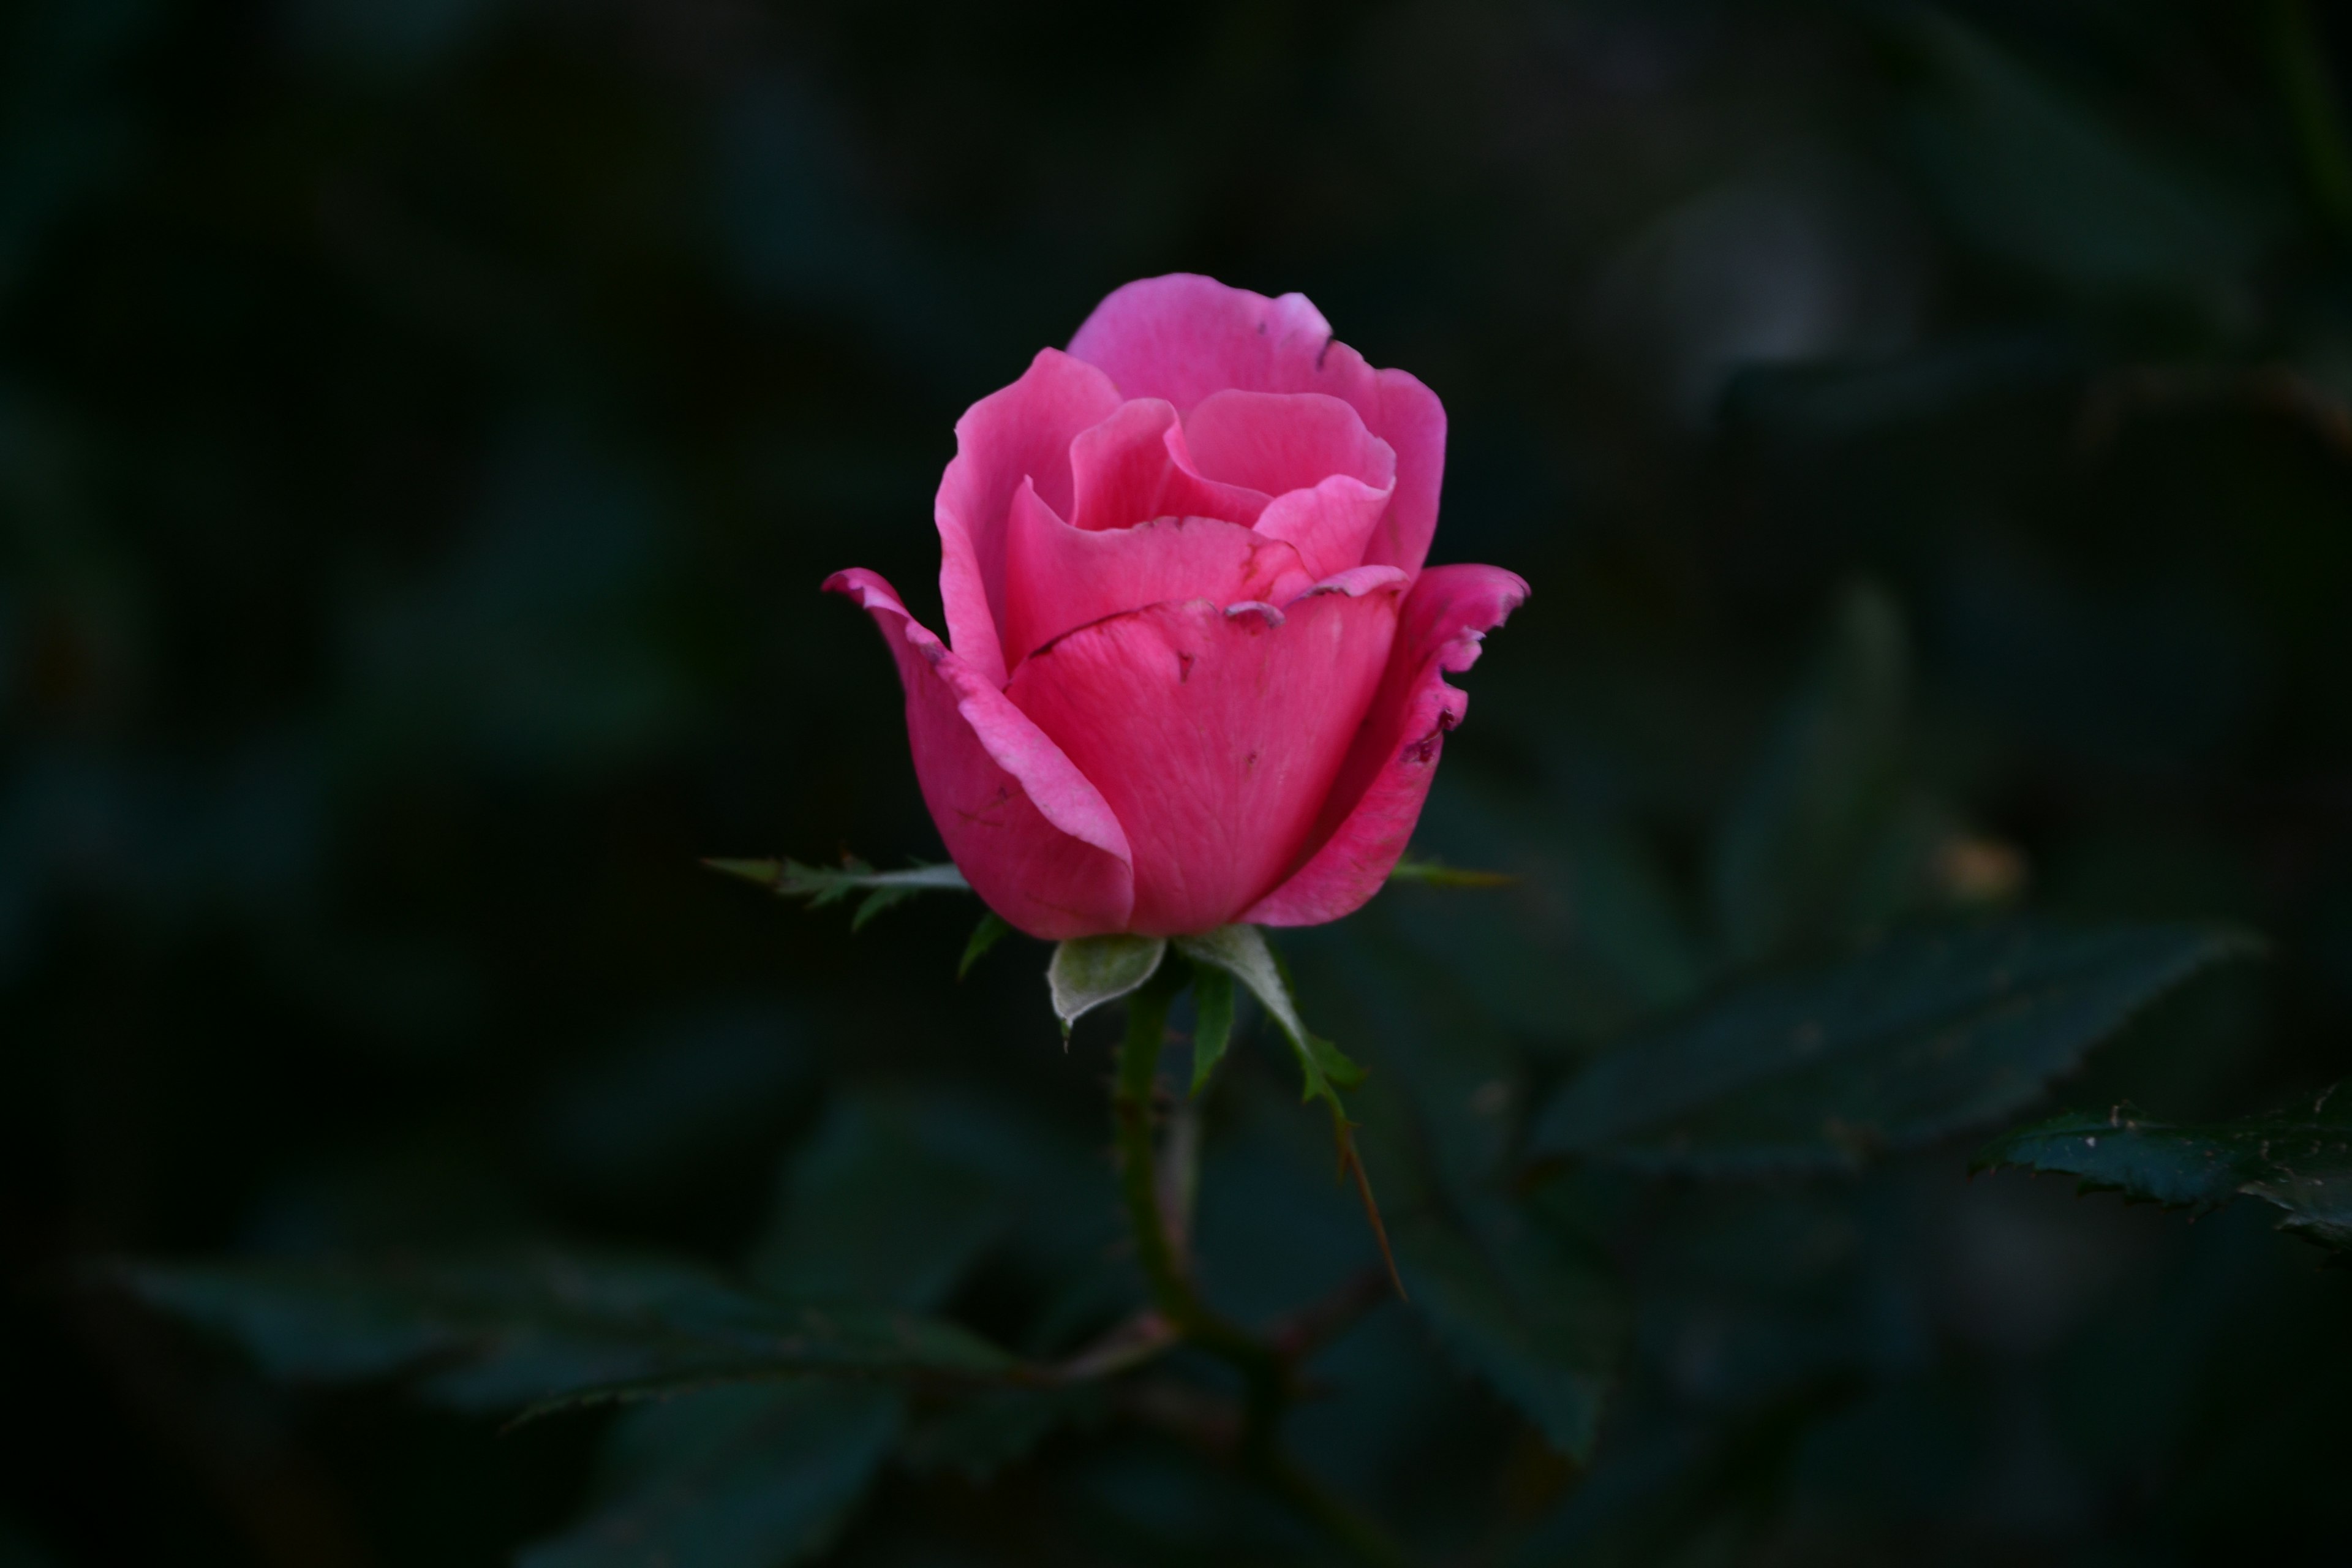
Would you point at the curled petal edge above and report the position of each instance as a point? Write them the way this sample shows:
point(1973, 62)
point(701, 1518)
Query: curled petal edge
point(1030, 832)
point(1379, 796)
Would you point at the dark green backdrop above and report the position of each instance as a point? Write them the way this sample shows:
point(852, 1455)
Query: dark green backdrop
point(423, 425)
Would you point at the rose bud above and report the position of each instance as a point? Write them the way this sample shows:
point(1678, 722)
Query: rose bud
point(1195, 668)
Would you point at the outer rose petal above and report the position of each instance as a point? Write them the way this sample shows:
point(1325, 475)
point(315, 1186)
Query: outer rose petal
point(1183, 337)
point(1215, 732)
point(1058, 577)
point(1135, 466)
point(1023, 431)
point(1378, 797)
point(1034, 838)
point(1413, 421)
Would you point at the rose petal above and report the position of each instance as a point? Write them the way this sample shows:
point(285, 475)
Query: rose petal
point(1274, 442)
point(1216, 736)
point(1377, 799)
point(1034, 838)
point(1135, 466)
point(1413, 422)
point(1329, 525)
point(1183, 337)
point(1058, 577)
point(1021, 431)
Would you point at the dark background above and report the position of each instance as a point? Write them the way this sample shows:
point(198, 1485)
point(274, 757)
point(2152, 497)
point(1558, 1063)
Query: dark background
point(424, 426)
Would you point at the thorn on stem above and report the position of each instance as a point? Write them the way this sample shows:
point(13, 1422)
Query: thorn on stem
point(1352, 1164)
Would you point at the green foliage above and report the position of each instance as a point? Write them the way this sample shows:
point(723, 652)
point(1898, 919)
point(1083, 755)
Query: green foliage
point(549, 1330)
point(736, 1477)
point(2039, 176)
point(819, 885)
point(979, 1436)
point(423, 428)
point(1514, 1288)
point(1241, 952)
point(1526, 1304)
point(1922, 1037)
point(1088, 971)
point(1793, 862)
point(873, 1210)
point(2300, 1161)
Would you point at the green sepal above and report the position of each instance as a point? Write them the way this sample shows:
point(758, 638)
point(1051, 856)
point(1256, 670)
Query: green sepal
point(1087, 971)
point(1243, 952)
point(1213, 1021)
point(991, 931)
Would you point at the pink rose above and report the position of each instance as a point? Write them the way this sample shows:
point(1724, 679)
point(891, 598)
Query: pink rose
point(1194, 671)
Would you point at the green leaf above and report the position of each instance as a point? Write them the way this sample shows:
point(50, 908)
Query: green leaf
point(1213, 1021)
point(1799, 832)
point(736, 1477)
point(1435, 873)
point(873, 1210)
point(1921, 1036)
point(1586, 941)
point(991, 931)
point(1086, 971)
point(2300, 1161)
point(542, 1330)
point(1535, 1312)
point(820, 886)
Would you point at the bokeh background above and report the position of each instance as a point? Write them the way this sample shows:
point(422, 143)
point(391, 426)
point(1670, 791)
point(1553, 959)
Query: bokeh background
point(424, 426)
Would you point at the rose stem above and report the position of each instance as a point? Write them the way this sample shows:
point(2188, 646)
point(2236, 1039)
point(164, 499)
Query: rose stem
point(1266, 1371)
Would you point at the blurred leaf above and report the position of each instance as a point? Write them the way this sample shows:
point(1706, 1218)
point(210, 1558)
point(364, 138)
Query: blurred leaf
point(733, 1477)
point(2300, 1161)
point(1751, 1290)
point(1538, 1315)
point(697, 1088)
point(1799, 832)
point(2035, 176)
point(977, 1437)
point(1681, 1495)
point(1088, 971)
point(1446, 1082)
point(1585, 940)
point(873, 1211)
point(1213, 1021)
point(991, 931)
point(545, 1328)
point(1512, 1289)
point(1922, 1036)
